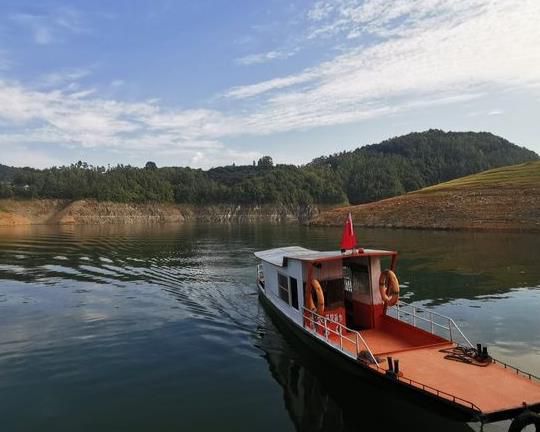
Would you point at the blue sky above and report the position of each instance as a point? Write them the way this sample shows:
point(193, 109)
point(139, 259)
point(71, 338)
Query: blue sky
point(206, 83)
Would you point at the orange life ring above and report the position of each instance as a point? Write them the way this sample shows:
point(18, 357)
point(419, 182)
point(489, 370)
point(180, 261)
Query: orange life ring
point(320, 298)
point(389, 287)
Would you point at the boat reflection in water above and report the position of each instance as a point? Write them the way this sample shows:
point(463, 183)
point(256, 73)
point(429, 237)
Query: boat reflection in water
point(319, 398)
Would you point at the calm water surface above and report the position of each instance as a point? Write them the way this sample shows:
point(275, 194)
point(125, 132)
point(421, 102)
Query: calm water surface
point(141, 328)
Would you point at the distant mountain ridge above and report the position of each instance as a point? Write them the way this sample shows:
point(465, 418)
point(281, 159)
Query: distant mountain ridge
point(369, 173)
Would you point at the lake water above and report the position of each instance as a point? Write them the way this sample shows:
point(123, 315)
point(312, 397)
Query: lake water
point(142, 328)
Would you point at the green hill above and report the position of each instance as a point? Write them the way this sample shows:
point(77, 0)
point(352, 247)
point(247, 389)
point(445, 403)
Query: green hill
point(506, 198)
point(414, 161)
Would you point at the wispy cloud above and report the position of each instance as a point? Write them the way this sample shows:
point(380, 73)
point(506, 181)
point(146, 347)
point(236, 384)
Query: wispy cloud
point(61, 78)
point(50, 28)
point(265, 57)
point(248, 91)
point(321, 10)
point(78, 120)
point(446, 48)
point(384, 18)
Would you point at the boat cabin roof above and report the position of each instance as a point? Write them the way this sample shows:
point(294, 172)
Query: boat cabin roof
point(279, 256)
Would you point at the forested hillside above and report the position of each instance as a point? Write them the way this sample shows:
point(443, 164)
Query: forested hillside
point(7, 173)
point(414, 161)
point(367, 174)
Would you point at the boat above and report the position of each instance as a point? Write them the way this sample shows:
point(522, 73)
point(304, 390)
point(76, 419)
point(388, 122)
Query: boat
point(345, 306)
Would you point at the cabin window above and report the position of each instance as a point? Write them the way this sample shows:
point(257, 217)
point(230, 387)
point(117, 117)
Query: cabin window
point(283, 288)
point(293, 285)
point(356, 278)
point(333, 292)
point(361, 280)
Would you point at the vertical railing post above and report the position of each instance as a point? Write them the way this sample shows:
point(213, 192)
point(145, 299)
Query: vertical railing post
point(450, 330)
point(414, 316)
point(431, 321)
point(325, 329)
point(357, 350)
point(340, 338)
point(397, 309)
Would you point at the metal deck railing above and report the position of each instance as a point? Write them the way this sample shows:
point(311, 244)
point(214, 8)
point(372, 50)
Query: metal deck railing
point(516, 370)
point(318, 324)
point(440, 393)
point(427, 320)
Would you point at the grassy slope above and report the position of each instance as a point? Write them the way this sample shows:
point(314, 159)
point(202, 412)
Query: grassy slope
point(523, 175)
point(505, 198)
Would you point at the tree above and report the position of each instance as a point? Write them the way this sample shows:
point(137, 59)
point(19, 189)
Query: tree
point(6, 191)
point(265, 162)
point(150, 165)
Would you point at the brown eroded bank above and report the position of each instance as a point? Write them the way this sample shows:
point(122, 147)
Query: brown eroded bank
point(505, 198)
point(50, 211)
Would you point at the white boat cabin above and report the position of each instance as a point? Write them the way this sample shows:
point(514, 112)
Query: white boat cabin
point(349, 283)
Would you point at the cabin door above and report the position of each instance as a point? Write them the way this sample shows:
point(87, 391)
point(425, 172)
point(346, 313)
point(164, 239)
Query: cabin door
point(358, 297)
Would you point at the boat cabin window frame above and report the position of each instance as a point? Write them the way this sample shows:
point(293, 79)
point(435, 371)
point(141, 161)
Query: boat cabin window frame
point(293, 292)
point(283, 288)
point(288, 290)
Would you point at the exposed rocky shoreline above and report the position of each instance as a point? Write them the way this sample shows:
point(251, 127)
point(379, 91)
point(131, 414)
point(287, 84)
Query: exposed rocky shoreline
point(50, 211)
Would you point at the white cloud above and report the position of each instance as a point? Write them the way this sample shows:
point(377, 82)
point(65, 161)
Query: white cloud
point(79, 120)
point(264, 57)
point(354, 18)
point(447, 49)
point(247, 91)
point(321, 10)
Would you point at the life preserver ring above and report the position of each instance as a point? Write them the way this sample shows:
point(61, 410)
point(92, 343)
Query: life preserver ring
point(389, 287)
point(320, 298)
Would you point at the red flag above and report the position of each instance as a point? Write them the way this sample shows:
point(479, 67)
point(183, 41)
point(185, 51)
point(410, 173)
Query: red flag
point(348, 240)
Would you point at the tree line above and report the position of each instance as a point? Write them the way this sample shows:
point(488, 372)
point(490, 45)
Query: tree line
point(370, 173)
point(284, 184)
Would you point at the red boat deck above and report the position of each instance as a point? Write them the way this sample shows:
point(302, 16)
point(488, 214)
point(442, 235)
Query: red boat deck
point(395, 336)
point(490, 388)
